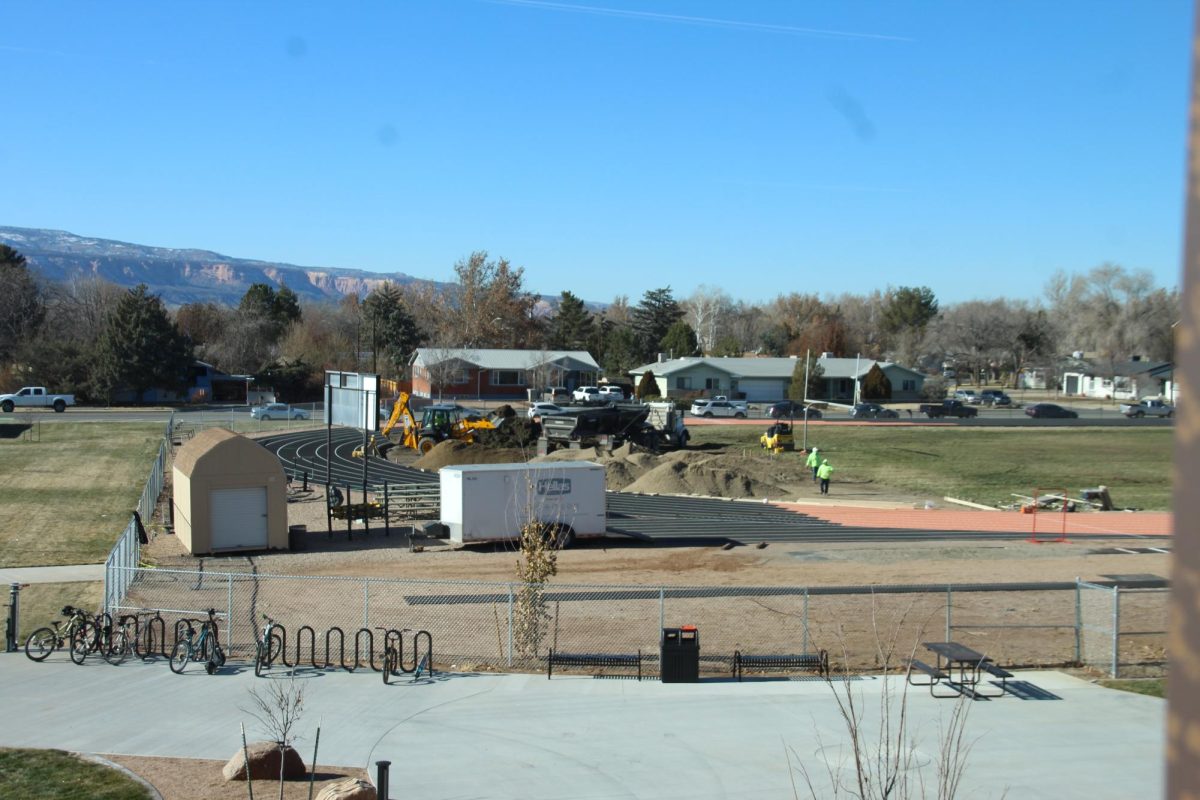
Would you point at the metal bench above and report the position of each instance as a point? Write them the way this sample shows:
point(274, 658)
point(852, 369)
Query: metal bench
point(599, 660)
point(996, 672)
point(936, 676)
point(780, 662)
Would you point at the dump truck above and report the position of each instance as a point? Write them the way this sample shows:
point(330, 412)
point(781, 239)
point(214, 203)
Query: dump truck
point(652, 426)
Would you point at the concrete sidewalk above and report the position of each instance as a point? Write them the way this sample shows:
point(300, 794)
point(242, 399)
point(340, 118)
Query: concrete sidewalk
point(522, 736)
point(73, 573)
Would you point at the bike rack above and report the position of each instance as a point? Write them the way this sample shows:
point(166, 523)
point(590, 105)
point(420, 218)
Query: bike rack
point(147, 650)
point(341, 648)
point(417, 659)
point(312, 645)
point(370, 648)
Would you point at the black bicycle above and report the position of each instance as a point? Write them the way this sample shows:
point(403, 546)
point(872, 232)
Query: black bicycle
point(206, 648)
point(268, 648)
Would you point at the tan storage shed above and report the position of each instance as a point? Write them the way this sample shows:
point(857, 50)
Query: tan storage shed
point(230, 493)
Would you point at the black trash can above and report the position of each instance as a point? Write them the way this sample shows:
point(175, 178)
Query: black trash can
point(679, 655)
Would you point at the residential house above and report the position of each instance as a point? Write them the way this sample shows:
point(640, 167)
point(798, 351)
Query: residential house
point(1120, 380)
point(498, 374)
point(205, 384)
point(768, 379)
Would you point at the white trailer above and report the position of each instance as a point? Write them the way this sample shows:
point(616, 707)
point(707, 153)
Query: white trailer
point(492, 502)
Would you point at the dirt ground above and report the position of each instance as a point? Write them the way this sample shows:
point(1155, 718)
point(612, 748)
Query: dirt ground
point(200, 779)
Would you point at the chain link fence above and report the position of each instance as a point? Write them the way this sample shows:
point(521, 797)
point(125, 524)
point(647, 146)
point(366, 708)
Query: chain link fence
point(512, 626)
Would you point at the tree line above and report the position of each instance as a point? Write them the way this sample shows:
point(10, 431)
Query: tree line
point(96, 339)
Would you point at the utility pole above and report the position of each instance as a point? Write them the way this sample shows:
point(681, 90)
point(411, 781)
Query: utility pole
point(804, 394)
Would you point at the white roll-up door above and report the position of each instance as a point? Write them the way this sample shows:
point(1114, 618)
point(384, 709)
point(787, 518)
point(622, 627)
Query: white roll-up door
point(762, 390)
point(239, 518)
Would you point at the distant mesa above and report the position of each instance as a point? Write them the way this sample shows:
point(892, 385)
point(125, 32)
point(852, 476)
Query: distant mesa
point(184, 276)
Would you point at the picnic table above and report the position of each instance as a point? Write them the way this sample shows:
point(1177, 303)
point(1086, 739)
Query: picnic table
point(970, 665)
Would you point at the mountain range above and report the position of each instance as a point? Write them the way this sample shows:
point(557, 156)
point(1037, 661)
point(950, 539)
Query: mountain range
point(184, 276)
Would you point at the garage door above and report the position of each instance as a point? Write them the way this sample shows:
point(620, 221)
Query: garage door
point(239, 518)
point(760, 390)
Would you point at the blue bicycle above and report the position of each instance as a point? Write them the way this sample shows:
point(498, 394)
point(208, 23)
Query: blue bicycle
point(206, 648)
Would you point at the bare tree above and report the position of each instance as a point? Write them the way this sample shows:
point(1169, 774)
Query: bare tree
point(705, 310)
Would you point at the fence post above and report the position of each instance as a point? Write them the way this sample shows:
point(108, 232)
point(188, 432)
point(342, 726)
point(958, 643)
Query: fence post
point(381, 779)
point(14, 618)
point(1079, 624)
point(1116, 637)
point(510, 624)
point(229, 612)
point(949, 610)
point(662, 596)
point(805, 649)
point(366, 603)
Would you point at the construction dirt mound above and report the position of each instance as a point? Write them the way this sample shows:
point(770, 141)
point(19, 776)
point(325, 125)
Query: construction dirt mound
point(689, 472)
point(451, 453)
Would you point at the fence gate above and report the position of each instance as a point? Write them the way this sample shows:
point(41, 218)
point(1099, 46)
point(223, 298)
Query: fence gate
point(1098, 620)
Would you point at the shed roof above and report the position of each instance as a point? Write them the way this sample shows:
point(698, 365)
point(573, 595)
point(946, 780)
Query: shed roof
point(500, 359)
point(252, 457)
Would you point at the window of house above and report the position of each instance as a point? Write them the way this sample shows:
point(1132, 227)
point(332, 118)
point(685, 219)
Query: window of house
point(508, 377)
point(683, 383)
point(712, 383)
point(908, 386)
point(459, 376)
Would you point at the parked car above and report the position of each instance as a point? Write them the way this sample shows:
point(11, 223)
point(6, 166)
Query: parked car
point(788, 409)
point(612, 392)
point(966, 396)
point(587, 393)
point(277, 411)
point(541, 409)
point(994, 397)
point(557, 393)
point(1047, 410)
point(873, 411)
point(1148, 407)
point(717, 408)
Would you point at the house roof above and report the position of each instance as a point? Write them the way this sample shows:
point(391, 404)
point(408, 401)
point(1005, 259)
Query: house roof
point(500, 359)
point(1123, 368)
point(771, 367)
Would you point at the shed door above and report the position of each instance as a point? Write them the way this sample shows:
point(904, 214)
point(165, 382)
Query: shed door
point(759, 389)
point(239, 518)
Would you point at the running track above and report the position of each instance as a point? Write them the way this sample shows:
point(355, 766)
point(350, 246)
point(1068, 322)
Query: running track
point(673, 520)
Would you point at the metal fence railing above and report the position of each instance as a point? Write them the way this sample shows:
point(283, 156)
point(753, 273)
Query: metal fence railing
point(513, 626)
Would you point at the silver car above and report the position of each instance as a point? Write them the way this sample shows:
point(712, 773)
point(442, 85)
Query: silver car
point(277, 411)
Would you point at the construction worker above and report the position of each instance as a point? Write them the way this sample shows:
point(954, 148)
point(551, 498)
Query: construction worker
point(813, 462)
point(824, 472)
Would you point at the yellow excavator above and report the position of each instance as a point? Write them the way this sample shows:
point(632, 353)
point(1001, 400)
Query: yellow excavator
point(438, 422)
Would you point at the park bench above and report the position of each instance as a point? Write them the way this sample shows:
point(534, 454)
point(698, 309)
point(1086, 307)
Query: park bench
point(780, 662)
point(596, 660)
point(935, 675)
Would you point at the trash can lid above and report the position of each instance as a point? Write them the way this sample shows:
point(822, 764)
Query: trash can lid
point(687, 628)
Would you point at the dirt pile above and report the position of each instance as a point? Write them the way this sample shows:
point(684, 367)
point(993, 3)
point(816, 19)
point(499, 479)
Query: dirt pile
point(451, 453)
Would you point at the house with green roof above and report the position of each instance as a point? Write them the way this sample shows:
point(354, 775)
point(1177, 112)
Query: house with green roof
point(768, 379)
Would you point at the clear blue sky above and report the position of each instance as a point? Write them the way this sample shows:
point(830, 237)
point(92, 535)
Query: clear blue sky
point(615, 146)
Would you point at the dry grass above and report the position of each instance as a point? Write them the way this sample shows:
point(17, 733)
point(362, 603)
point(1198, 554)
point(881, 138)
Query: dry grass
point(200, 779)
point(65, 498)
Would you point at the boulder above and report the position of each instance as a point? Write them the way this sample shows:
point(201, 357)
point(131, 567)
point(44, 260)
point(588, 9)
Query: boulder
point(349, 789)
point(264, 763)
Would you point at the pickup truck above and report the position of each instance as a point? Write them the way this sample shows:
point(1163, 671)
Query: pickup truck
point(1147, 408)
point(948, 408)
point(35, 397)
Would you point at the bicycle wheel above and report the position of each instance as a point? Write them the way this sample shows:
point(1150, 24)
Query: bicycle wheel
point(118, 648)
point(389, 663)
point(219, 656)
point(90, 634)
point(80, 647)
point(276, 652)
point(259, 660)
point(208, 649)
point(179, 657)
point(40, 644)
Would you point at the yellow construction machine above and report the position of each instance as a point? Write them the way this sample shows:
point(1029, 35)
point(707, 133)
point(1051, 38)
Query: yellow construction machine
point(778, 438)
point(439, 422)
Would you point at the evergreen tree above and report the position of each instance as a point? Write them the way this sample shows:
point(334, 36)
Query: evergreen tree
point(392, 329)
point(652, 318)
point(271, 310)
point(573, 327)
point(620, 351)
point(816, 382)
point(647, 386)
point(680, 341)
point(22, 307)
point(140, 348)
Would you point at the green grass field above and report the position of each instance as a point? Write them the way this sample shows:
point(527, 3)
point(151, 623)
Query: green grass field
point(53, 774)
point(986, 465)
point(64, 499)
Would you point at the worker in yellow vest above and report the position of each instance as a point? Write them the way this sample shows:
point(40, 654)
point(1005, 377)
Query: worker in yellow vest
point(823, 473)
point(813, 462)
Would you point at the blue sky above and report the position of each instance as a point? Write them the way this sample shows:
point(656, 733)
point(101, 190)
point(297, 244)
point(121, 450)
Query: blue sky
point(614, 147)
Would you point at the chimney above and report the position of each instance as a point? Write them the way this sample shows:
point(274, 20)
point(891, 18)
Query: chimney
point(662, 357)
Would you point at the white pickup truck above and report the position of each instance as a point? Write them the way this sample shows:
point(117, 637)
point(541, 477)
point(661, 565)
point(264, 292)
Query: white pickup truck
point(1148, 407)
point(35, 397)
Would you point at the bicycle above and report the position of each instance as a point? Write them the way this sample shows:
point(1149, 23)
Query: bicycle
point(125, 638)
point(268, 648)
point(393, 656)
point(76, 627)
point(206, 648)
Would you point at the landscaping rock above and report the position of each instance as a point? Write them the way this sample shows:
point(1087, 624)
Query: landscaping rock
point(349, 789)
point(264, 763)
